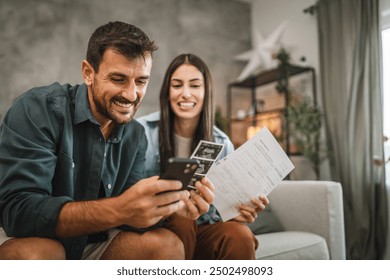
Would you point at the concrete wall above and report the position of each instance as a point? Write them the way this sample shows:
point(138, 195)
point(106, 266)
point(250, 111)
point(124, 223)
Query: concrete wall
point(301, 34)
point(43, 41)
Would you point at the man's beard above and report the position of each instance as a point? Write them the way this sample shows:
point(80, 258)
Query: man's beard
point(110, 114)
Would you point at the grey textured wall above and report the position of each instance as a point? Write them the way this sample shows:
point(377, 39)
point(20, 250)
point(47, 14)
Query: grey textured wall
point(43, 41)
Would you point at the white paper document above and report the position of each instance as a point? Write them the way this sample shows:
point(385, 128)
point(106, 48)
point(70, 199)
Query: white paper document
point(254, 169)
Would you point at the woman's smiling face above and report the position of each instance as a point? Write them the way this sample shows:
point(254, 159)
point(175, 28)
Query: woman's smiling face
point(186, 92)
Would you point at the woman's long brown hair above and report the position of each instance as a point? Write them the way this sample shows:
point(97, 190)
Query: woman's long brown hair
point(204, 130)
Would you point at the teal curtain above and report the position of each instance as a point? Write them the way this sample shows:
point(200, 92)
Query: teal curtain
point(350, 71)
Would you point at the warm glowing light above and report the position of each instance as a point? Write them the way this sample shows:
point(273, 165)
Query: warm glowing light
point(271, 120)
point(252, 130)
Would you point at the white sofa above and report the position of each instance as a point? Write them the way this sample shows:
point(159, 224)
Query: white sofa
point(311, 214)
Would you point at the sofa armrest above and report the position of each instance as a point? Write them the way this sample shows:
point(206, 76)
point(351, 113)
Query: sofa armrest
point(312, 206)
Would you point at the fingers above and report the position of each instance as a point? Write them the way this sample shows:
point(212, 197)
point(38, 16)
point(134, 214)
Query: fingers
point(155, 197)
point(200, 202)
point(246, 216)
point(240, 219)
point(158, 192)
point(205, 189)
point(169, 197)
point(259, 203)
point(192, 209)
point(208, 184)
point(196, 205)
point(247, 208)
point(248, 213)
point(154, 185)
point(169, 209)
point(264, 200)
point(200, 199)
point(162, 185)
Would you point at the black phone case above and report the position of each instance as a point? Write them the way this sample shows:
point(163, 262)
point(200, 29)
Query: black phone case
point(181, 169)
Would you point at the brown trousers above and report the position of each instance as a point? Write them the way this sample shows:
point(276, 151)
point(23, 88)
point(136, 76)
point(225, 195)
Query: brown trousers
point(220, 241)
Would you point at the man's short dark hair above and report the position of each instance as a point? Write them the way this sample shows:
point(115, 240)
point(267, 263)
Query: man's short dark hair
point(124, 38)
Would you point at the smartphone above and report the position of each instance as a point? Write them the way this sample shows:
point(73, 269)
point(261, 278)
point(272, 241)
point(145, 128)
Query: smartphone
point(182, 169)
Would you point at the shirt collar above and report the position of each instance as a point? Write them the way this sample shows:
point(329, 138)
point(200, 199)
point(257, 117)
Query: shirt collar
point(83, 113)
point(82, 107)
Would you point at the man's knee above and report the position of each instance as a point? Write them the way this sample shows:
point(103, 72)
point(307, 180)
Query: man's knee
point(166, 245)
point(33, 248)
point(159, 244)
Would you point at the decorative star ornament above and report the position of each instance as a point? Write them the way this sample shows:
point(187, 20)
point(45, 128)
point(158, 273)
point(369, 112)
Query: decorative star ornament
point(260, 57)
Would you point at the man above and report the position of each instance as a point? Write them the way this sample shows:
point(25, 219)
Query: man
point(72, 164)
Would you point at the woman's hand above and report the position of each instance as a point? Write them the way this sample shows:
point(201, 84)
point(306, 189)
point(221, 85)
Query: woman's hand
point(248, 213)
point(199, 201)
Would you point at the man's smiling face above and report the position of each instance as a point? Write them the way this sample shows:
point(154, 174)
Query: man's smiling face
point(117, 89)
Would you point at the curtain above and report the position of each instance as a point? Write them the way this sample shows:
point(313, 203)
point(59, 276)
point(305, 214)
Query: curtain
point(350, 71)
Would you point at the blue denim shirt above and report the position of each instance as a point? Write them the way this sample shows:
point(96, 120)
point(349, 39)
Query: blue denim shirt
point(52, 152)
point(152, 163)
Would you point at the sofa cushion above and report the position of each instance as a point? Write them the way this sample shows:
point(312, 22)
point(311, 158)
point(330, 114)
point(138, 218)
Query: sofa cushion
point(292, 245)
point(266, 222)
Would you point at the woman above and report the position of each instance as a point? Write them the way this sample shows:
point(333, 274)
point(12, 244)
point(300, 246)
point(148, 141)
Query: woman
point(186, 116)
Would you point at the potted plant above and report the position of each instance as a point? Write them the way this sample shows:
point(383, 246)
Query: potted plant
point(304, 119)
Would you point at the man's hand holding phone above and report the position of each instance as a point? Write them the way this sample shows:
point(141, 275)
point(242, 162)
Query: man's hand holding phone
point(148, 202)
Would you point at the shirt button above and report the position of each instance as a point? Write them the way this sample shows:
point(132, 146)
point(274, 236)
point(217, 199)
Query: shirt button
point(109, 186)
point(105, 154)
point(72, 164)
